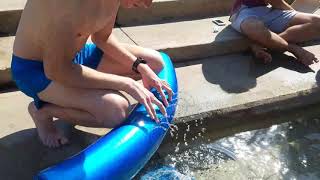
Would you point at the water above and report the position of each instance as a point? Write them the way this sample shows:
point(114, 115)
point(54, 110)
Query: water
point(289, 151)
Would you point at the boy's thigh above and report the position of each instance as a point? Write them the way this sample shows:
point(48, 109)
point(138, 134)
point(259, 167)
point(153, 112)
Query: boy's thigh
point(90, 100)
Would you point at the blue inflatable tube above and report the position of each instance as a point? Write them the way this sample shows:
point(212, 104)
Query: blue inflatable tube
point(123, 152)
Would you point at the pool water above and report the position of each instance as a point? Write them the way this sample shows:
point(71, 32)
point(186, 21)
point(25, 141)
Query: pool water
point(286, 151)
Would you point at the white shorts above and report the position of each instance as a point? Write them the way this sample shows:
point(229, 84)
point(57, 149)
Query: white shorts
point(274, 19)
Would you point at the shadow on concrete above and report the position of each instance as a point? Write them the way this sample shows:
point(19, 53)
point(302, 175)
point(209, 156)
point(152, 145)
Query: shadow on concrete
point(23, 156)
point(10, 87)
point(225, 32)
point(238, 74)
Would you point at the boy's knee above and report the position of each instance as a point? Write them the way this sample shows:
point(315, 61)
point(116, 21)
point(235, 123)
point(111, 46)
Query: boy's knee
point(316, 21)
point(115, 112)
point(157, 63)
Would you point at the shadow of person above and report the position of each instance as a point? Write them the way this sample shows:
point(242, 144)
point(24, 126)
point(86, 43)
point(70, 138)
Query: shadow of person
point(281, 60)
point(239, 73)
point(232, 73)
point(23, 156)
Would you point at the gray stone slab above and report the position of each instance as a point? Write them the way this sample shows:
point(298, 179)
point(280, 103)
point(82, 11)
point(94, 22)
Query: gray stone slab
point(22, 154)
point(173, 10)
point(209, 85)
point(206, 87)
point(10, 12)
point(121, 36)
point(189, 39)
point(226, 82)
point(6, 44)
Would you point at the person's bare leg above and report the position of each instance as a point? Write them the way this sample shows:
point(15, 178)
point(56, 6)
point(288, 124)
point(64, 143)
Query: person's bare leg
point(260, 53)
point(257, 32)
point(77, 106)
point(86, 107)
point(47, 132)
point(302, 27)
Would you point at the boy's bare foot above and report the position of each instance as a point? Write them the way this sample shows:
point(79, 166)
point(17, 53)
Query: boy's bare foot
point(260, 53)
point(48, 133)
point(305, 57)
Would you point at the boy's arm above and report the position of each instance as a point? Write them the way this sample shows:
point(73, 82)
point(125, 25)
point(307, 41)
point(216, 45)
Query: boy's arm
point(109, 44)
point(105, 40)
point(59, 51)
point(280, 4)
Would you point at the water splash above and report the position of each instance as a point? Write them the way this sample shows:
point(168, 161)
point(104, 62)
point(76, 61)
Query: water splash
point(287, 151)
point(165, 173)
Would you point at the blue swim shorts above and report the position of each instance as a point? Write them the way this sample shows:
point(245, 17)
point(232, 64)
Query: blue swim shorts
point(30, 78)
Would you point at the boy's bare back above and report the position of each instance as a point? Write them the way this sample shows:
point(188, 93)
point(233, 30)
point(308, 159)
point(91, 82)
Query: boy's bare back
point(45, 24)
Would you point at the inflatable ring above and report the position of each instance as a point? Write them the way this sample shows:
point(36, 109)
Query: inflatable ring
point(122, 153)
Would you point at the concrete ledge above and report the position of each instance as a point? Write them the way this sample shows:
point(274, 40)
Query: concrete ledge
point(246, 117)
point(173, 10)
point(189, 40)
point(10, 12)
point(229, 81)
point(6, 44)
point(217, 98)
point(9, 21)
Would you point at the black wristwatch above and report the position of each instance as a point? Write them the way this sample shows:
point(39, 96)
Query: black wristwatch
point(136, 64)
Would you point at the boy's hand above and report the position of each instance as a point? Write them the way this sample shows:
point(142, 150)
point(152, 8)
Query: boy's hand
point(151, 80)
point(145, 97)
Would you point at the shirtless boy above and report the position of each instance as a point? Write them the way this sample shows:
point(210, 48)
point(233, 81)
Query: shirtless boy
point(275, 25)
point(80, 82)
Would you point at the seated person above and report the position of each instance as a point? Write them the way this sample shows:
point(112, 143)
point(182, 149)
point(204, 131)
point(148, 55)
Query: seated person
point(77, 81)
point(275, 25)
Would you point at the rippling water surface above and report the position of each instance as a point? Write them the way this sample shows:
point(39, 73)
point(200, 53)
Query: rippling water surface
point(286, 151)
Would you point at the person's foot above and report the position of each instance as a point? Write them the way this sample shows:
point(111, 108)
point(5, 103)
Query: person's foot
point(48, 133)
point(261, 53)
point(305, 57)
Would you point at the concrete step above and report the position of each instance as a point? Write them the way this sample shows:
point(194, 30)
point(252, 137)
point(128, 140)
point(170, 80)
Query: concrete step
point(215, 85)
point(192, 39)
point(183, 41)
point(10, 13)
point(161, 10)
point(221, 93)
point(173, 10)
point(6, 44)
point(187, 40)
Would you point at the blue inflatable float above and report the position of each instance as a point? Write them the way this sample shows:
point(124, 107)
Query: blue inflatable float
point(123, 152)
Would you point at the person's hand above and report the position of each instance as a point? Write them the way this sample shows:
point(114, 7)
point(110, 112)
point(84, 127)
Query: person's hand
point(150, 79)
point(145, 97)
